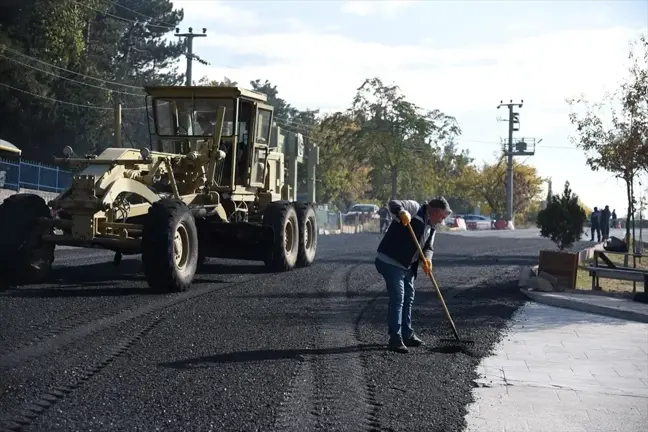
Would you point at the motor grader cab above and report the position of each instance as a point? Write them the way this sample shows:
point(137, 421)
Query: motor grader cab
point(208, 185)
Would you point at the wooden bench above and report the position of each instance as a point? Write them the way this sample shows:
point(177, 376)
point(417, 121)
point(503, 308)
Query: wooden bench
point(612, 271)
point(619, 274)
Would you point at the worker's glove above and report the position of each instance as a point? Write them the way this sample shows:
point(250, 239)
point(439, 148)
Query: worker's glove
point(405, 217)
point(426, 266)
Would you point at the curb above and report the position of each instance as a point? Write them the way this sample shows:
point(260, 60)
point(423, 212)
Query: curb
point(551, 299)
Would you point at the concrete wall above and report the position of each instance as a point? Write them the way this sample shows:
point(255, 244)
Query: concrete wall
point(4, 193)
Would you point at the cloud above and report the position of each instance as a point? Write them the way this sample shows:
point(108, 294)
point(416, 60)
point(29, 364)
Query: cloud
point(322, 69)
point(522, 27)
point(218, 13)
point(315, 69)
point(386, 8)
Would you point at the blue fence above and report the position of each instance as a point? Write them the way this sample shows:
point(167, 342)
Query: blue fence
point(31, 175)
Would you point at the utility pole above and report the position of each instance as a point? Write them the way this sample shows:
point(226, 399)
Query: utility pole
point(190, 55)
point(520, 149)
point(118, 124)
point(312, 159)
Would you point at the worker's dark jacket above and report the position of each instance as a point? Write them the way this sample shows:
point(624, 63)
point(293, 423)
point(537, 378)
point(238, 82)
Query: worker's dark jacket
point(595, 219)
point(397, 246)
point(605, 217)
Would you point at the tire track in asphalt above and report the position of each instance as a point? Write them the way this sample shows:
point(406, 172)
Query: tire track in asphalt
point(31, 410)
point(342, 398)
point(69, 332)
point(53, 328)
point(49, 330)
point(23, 415)
point(329, 390)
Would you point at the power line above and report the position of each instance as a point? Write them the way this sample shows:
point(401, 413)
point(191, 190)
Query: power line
point(141, 14)
point(286, 123)
point(121, 18)
point(69, 79)
point(4, 47)
point(65, 102)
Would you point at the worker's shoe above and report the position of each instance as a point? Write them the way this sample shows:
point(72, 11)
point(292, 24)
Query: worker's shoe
point(397, 345)
point(413, 341)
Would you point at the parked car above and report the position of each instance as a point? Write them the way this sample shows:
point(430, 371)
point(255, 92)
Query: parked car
point(451, 220)
point(371, 210)
point(478, 222)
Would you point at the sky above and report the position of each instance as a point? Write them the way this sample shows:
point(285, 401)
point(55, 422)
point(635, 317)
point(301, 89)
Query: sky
point(461, 57)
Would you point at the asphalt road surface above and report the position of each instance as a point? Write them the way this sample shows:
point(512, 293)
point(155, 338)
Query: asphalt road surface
point(246, 350)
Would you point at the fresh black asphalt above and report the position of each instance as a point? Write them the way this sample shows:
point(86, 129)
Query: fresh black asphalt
point(247, 350)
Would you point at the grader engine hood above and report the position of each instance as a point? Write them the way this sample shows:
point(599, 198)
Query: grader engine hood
point(114, 171)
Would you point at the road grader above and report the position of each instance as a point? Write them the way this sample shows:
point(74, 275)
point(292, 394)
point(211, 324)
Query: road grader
point(210, 186)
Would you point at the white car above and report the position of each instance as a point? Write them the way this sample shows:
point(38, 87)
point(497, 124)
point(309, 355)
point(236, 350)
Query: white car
point(355, 209)
point(478, 222)
point(451, 220)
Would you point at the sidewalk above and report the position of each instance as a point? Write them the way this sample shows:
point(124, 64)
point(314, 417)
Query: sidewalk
point(593, 302)
point(560, 370)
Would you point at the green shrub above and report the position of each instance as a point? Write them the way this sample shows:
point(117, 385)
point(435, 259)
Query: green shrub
point(562, 220)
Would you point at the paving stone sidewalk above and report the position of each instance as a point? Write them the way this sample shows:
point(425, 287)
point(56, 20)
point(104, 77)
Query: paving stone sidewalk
point(560, 370)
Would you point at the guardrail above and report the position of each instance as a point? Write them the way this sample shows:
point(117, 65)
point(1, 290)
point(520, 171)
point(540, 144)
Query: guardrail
point(18, 175)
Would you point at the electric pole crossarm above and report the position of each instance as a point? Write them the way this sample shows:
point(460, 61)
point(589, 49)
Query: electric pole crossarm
point(190, 55)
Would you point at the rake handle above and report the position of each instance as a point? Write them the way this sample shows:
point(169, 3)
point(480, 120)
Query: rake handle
point(436, 286)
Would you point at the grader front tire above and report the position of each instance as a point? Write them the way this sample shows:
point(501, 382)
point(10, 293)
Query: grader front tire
point(24, 257)
point(169, 247)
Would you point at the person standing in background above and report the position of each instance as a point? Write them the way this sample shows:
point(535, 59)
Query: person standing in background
point(595, 220)
point(383, 213)
point(614, 218)
point(605, 223)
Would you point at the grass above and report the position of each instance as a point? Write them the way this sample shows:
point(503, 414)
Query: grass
point(584, 280)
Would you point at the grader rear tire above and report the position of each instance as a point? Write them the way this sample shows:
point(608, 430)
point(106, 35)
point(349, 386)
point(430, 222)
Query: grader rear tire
point(24, 257)
point(169, 247)
point(282, 217)
point(308, 232)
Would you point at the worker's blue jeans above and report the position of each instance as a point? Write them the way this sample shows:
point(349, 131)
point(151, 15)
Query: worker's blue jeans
point(400, 289)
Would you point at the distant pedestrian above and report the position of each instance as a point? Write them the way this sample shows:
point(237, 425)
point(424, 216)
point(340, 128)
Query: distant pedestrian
point(605, 223)
point(398, 259)
point(595, 220)
point(383, 213)
point(614, 218)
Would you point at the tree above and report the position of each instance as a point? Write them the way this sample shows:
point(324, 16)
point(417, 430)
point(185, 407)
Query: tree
point(587, 209)
point(562, 220)
point(283, 111)
point(36, 124)
point(453, 176)
point(344, 180)
point(133, 50)
point(394, 133)
point(612, 131)
point(205, 81)
point(549, 191)
point(490, 186)
point(91, 55)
